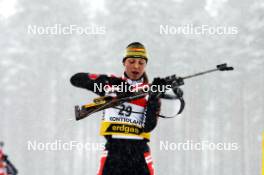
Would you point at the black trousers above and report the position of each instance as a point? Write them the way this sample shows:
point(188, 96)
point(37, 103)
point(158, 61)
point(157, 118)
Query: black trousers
point(126, 157)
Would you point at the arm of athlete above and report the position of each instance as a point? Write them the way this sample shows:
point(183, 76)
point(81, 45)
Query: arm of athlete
point(152, 112)
point(89, 81)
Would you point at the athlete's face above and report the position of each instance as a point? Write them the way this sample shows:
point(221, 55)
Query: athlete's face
point(135, 67)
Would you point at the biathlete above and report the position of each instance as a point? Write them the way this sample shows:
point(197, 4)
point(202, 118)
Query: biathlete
point(127, 133)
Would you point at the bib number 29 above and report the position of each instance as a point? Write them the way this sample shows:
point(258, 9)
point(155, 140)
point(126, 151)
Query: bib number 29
point(125, 110)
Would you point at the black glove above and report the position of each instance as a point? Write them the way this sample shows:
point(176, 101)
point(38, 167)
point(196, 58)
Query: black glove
point(159, 81)
point(158, 86)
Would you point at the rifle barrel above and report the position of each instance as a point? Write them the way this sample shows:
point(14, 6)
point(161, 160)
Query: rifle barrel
point(200, 73)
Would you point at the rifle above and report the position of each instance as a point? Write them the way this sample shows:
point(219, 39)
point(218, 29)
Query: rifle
point(105, 102)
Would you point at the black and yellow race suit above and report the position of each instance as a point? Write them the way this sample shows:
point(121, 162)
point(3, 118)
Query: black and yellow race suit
point(127, 133)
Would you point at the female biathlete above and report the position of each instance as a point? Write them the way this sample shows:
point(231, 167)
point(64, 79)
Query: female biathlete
point(127, 133)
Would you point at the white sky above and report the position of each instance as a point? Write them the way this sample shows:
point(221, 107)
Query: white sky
point(7, 8)
point(94, 6)
point(213, 6)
